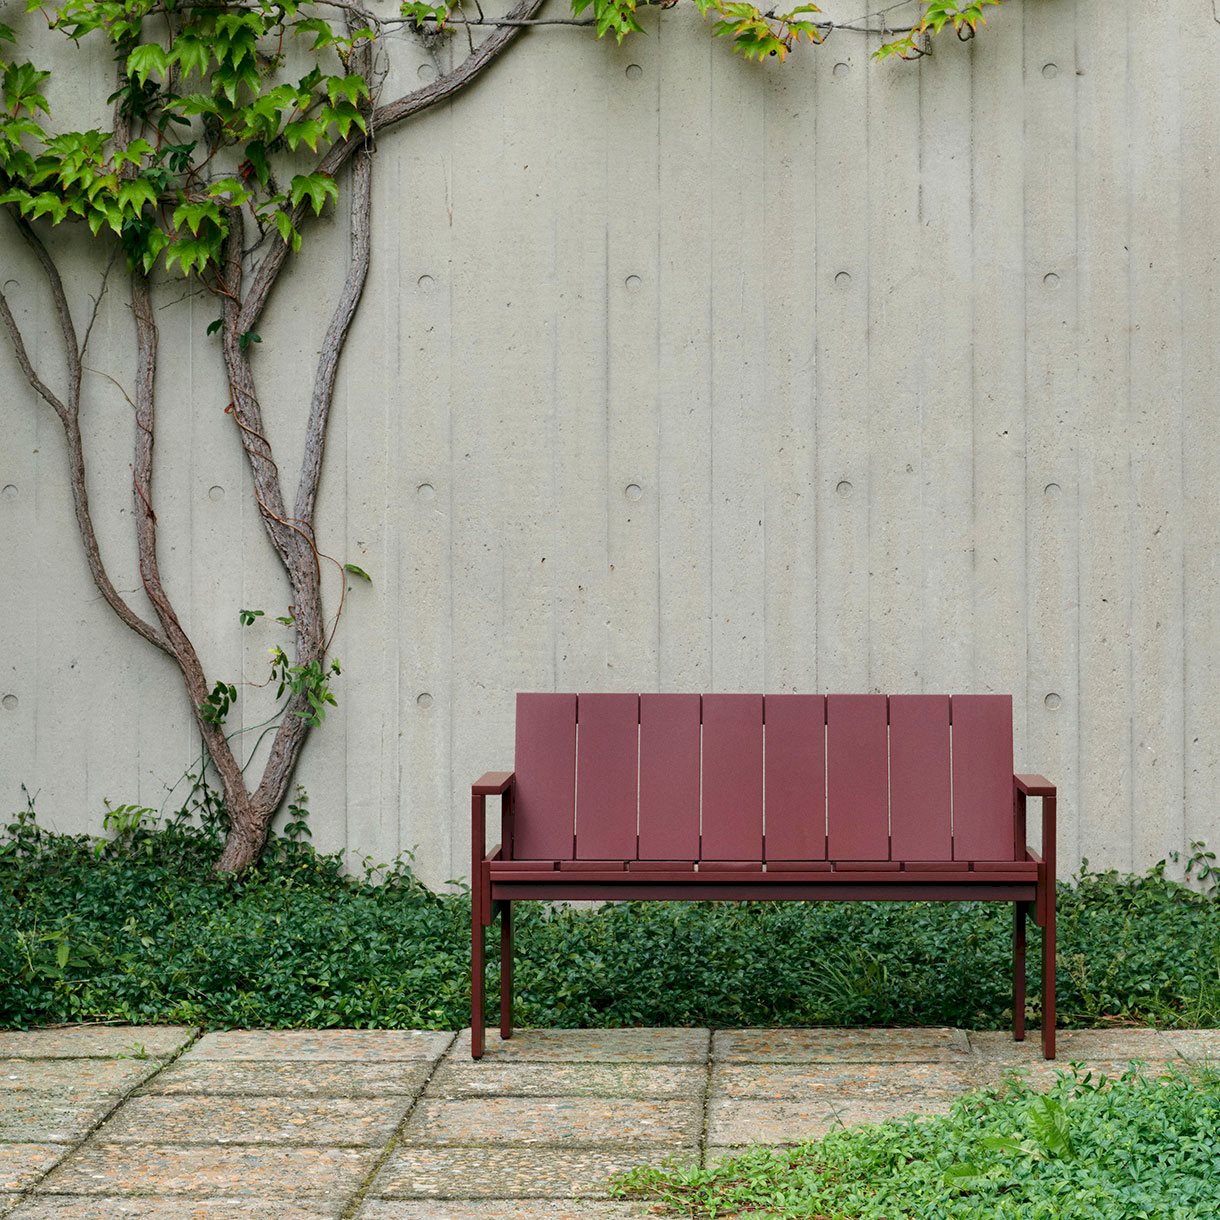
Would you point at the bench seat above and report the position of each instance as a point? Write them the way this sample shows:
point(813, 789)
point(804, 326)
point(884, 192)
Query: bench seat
point(763, 798)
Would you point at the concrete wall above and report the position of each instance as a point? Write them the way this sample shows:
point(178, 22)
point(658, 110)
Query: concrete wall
point(679, 373)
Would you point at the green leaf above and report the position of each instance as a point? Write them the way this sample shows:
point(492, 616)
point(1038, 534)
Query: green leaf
point(355, 571)
point(317, 188)
point(213, 326)
point(290, 236)
point(147, 59)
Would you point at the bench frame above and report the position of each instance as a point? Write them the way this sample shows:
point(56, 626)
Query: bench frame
point(493, 895)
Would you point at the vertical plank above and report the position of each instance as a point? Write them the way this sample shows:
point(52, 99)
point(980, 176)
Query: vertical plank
point(607, 767)
point(896, 271)
point(1052, 395)
point(685, 390)
point(669, 777)
point(794, 796)
point(1106, 693)
point(841, 239)
point(634, 73)
point(786, 399)
point(732, 823)
point(857, 778)
point(1153, 120)
point(546, 777)
point(946, 369)
point(1200, 429)
point(982, 777)
point(921, 825)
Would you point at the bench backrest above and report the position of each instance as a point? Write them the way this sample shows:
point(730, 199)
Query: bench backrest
point(754, 778)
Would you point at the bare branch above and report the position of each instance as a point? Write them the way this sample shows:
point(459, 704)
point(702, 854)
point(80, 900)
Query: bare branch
point(336, 337)
point(60, 300)
point(418, 100)
point(23, 359)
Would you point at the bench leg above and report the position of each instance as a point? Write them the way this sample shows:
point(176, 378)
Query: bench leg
point(477, 963)
point(506, 970)
point(1018, 971)
point(1048, 973)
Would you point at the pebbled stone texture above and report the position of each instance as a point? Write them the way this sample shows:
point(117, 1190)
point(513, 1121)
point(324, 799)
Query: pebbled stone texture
point(95, 1041)
point(554, 1120)
point(789, 1122)
point(840, 1045)
point(1071, 1044)
point(865, 1081)
point(84, 1207)
point(591, 1046)
point(22, 1164)
point(238, 1078)
point(455, 1078)
point(71, 1077)
point(255, 1172)
point(485, 1209)
point(500, 1173)
point(45, 1117)
point(367, 1045)
point(328, 1122)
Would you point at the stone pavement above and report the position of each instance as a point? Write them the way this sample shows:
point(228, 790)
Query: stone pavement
point(162, 1124)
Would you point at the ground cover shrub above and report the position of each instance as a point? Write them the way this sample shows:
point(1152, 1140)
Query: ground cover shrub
point(138, 927)
point(1090, 1149)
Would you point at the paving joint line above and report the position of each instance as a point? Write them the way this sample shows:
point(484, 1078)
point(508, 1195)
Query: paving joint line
point(355, 1203)
point(75, 1146)
point(707, 1099)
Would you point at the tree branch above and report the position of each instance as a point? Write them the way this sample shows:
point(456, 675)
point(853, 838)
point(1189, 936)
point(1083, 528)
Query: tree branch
point(336, 337)
point(418, 100)
point(23, 359)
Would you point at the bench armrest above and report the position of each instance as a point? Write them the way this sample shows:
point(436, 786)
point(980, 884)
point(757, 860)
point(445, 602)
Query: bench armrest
point(1025, 786)
point(1034, 785)
point(494, 783)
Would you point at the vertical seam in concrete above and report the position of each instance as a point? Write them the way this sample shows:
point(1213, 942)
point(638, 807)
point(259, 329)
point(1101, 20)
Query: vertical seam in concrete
point(357, 1200)
point(1132, 504)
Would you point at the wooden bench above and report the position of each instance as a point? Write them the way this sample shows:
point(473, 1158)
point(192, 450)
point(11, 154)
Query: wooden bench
point(746, 797)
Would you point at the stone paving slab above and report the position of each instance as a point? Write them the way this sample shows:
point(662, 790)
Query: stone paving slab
point(69, 1077)
point(499, 1173)
point(485, 1209)
point(117, 1207)
point(239, 1078)
point(457, 1078)
point(591, 1046)
point(1071, 1044)
point(22, 1164)
point(96, 1041)
point(840, 1045)
point(1196, 1044)
point(367, 1045)
point(790, 1122)
point(867, 1081)
point(47, 1118)
point(326, 1122)
point(554, 1120)
point(293, 1172)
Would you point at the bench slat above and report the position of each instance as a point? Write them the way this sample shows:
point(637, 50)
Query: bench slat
point(982, 777)
point(732, 826)
point(669, 777)
point(795, 799)
point(607, 747)
point(920, 826)
point(857, 777)
point(546, 777)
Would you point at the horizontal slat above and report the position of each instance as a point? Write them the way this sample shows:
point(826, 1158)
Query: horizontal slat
point(820, 887)
point(591, 866)
point(492, 784)
point(661, 866)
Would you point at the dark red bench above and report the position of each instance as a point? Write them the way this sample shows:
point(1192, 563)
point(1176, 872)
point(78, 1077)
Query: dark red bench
point(746, 797)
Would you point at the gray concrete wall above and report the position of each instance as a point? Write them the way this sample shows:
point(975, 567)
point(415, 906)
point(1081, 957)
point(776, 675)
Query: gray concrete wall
point(679, 373)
